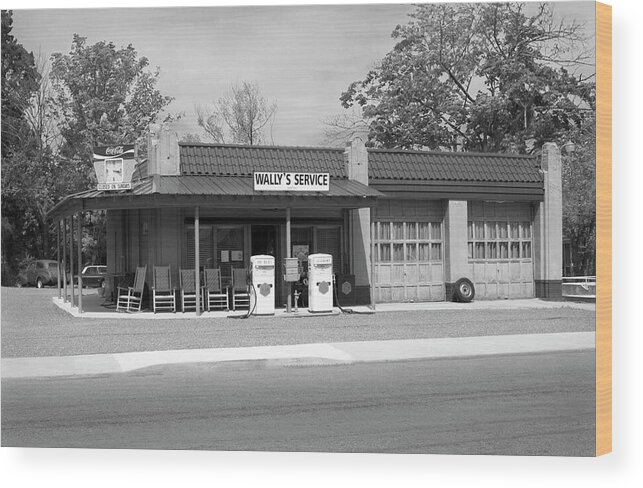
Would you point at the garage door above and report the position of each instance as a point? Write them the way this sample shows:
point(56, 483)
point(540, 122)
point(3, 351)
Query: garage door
point(501, 250)
point(408, 261)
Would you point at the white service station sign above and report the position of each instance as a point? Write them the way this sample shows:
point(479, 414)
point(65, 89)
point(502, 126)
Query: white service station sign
point(281, 181)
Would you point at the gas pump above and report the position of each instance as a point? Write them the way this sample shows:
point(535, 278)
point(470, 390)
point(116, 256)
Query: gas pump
point(320, 283)
point(262, 295)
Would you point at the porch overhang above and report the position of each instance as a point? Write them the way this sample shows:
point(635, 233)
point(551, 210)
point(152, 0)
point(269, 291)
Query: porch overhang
point(219, 191)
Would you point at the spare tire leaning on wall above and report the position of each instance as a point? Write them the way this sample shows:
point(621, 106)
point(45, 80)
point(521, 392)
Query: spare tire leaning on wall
point(463, 290)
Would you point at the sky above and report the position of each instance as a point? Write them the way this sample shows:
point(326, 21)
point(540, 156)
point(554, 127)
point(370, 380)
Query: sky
point(301, 56)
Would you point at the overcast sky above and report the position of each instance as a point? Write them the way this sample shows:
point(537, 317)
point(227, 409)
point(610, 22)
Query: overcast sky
point(302, 57)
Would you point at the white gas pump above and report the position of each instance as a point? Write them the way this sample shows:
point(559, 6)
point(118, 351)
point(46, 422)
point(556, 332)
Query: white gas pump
point(320, 283)
point(262, 295)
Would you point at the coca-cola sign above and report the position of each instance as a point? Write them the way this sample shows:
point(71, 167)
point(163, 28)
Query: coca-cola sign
point(123, 151)
point(114, 167)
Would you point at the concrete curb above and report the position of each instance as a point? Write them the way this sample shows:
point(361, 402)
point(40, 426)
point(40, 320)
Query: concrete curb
point(518, 304)
point(335, 353)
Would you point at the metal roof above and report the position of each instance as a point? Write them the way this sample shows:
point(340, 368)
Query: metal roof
point(243, 186)
point(342, 192)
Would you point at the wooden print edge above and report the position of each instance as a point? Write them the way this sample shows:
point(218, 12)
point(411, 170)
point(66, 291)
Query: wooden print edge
point(603, 229)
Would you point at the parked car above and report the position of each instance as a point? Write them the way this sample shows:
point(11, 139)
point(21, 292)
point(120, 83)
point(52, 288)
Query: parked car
point(39, 273)
point(94, 275)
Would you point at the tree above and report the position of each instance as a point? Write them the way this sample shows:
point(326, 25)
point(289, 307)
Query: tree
point(21, 225)
point(338, 128)
point(19, 80)
point(191, 138)
point(239, 117)
point(482, 77)
point(105, 96)
point(579, 199)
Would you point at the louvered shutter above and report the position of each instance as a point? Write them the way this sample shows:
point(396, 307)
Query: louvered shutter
point(205, 248)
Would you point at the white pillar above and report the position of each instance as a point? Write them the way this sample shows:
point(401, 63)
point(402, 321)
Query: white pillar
point(456, 253)
point(548, 227)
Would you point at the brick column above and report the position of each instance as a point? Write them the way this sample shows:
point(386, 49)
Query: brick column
point(548, 228)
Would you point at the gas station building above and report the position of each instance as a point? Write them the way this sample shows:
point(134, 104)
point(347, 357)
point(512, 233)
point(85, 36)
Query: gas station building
point(401, 226)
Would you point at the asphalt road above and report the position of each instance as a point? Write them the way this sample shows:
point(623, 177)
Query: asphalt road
point(538, 404)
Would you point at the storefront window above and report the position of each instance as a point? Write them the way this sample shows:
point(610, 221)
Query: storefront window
point(230, 249)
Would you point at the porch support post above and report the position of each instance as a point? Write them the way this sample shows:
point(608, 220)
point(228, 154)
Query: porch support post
point(64, 262)
point(80, 262)
point(58, 255)
point(197, 271)
point(71, 258)
point(288, 251)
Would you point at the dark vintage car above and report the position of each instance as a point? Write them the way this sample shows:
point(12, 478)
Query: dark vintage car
point(94, 275)
point(39, 273)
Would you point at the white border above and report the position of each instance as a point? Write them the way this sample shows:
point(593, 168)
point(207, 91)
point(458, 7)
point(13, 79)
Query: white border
point(99, 468)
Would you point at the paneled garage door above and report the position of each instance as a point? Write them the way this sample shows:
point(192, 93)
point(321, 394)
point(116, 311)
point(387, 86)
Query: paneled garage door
point(501, 250)
point(409, 261)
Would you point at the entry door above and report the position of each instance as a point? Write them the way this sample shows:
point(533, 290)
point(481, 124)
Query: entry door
point(264, 240)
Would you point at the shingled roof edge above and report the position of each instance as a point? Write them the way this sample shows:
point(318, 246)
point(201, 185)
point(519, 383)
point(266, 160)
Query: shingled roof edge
point(455, 153)
point(245, 146)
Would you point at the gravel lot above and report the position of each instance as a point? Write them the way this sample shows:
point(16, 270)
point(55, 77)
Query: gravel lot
point(33, 326)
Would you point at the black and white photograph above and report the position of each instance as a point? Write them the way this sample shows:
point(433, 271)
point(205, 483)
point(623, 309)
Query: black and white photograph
point(363, 228)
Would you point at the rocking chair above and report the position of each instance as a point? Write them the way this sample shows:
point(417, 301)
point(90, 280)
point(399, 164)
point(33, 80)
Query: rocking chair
point(163, 295)
point(130, 298)
point(216, 297)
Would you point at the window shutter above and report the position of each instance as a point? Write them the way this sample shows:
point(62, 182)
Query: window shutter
point(205, 247)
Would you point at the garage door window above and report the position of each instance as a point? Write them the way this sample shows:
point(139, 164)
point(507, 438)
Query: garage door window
point(496, 240)
point(408, 242)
